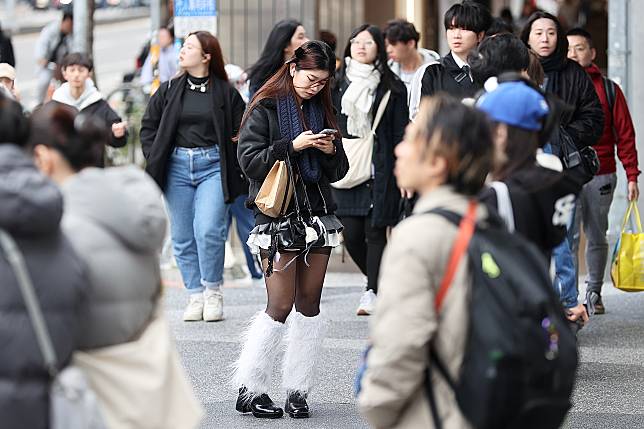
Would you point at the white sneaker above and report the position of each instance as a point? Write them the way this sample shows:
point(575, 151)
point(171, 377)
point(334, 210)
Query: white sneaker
point(367, 303)
point(194, 310)
point(213, 309)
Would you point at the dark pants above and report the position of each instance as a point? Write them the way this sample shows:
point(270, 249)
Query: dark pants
point(365, 244)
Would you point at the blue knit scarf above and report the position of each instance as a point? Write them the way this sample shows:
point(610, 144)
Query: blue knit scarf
point(291, 126)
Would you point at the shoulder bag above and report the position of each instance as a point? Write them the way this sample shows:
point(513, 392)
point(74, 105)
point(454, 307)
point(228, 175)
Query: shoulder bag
point(360, 152)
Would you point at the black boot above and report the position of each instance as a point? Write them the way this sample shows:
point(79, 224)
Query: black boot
point(296, 405)
point(261, 406)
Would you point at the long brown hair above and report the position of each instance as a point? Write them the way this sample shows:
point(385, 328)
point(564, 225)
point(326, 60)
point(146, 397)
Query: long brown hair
point(313, 55)
point(210, 45)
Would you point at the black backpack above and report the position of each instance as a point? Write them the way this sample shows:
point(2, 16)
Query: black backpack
point(520, 358)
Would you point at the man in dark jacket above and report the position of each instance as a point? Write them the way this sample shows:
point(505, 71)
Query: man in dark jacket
point(465, 24)
point(597, 195)
point(30, 212)
point(79, 92)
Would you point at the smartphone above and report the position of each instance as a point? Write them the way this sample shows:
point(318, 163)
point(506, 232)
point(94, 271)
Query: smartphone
point(328, 131)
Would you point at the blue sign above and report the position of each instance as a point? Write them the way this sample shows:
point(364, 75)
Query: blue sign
point(189, 8)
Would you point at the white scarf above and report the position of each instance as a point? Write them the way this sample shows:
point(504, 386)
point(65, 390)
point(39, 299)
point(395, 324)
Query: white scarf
point(358, 98)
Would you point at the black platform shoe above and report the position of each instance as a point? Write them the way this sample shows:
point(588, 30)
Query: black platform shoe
point(261, 406)
point(296, 405)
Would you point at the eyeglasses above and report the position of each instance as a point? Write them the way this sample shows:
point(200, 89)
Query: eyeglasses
point(365, 43)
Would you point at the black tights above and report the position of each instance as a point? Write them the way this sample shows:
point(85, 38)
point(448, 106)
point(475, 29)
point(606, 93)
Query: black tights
point(298, 284)
point(365, 244)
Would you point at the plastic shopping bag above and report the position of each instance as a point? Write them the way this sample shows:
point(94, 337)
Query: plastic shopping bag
point(627, 269)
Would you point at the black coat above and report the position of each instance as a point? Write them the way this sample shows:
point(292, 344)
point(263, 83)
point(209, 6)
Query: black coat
point(381, 195)
point(31, 210)
point(442, 77)
point(6, 50)
point(573, 86)
point(103, 110)
point(161, 119)
point(261, 145)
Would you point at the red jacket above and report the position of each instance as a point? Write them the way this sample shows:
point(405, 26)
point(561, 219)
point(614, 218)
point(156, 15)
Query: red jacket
point(618, 131)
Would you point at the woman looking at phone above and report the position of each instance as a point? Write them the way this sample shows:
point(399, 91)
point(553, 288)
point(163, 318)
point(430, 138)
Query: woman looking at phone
point(283, 123)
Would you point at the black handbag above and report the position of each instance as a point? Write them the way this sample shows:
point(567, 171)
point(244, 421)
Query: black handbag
point(581, 164)
point(289, 233)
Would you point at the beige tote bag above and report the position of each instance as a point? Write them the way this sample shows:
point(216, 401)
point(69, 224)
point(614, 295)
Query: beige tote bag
point(360, 151)
point(275, 194)
point(141, 384)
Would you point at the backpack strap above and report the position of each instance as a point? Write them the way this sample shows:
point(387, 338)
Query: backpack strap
point(609, 89)
point(466, 228)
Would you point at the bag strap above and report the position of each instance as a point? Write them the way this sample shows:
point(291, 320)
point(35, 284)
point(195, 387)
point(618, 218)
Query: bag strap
point(17, 263)
point(632, 209)
point(466, 228)
point(609, 89)
point(504, 204)
point(465, 231)
point(381, 111)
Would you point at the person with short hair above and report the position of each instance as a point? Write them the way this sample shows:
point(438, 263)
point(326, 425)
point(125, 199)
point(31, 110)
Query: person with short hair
point(465, 24)
point(167, 62)
point(54, 43)
point(596, 197)
point(445, 157)
point(497, 54)
point(80, 92)
point(405, 57)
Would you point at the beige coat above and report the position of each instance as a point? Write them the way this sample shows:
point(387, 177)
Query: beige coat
point(393, 388)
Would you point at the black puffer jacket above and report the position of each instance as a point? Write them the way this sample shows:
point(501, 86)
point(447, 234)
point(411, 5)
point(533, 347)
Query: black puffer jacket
point(261, 145)
point(585, 123)
point(30, 211)
point(161, 119)
point(380, 194)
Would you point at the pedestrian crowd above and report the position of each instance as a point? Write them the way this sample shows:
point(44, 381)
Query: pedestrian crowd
point(446, 178)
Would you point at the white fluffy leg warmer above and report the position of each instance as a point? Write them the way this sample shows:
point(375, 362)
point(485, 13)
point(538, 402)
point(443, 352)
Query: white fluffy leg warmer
point(303, 348)
point(262, 340)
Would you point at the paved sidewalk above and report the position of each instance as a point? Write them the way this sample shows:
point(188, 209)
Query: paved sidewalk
point(28, 20)
point(208, 349)
point(610, 378)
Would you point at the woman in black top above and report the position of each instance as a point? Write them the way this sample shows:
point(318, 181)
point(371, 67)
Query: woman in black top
point(283, 123)
point(285, 37)
point(186, 136)
point(368, 208)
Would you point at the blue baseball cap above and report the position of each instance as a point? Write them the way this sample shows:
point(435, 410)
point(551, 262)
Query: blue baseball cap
point(514, 103)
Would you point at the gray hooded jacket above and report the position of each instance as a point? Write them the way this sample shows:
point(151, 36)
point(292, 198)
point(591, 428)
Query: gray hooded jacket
point(30, 211)
point(116, 221)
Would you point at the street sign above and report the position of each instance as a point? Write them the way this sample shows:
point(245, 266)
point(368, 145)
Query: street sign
point(194, 15)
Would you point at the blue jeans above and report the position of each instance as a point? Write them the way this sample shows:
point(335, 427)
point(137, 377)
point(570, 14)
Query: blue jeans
point(245, 222)
point(198, 216)
point(565, 281)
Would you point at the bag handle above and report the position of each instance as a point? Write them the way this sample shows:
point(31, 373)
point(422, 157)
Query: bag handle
point(381, 111)
point(465, 232)
point(17, 263)
point(632, 208)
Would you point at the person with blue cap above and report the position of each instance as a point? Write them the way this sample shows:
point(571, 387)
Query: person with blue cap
point(530, 189)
